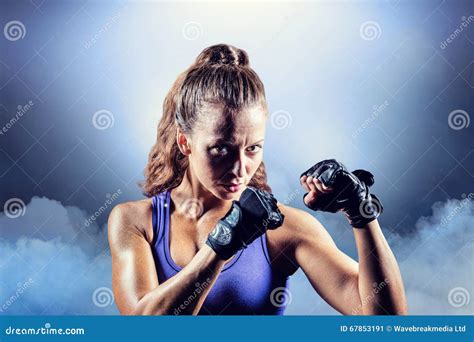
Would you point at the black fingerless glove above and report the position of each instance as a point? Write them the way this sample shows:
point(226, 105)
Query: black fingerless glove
point(350, 192)
point(247, 219)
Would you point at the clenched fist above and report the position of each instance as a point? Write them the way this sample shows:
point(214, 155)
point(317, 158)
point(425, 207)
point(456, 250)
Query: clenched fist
point(331, 187)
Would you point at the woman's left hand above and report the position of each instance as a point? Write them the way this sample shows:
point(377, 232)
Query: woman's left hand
point(331, 188)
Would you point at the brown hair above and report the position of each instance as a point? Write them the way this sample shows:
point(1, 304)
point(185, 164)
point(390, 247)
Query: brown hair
point(220, 74)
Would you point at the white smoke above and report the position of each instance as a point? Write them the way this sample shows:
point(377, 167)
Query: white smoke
point(439, 258)
point(51, 263)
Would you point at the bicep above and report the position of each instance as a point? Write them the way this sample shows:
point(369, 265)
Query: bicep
point(332, 273)
point(133, 266)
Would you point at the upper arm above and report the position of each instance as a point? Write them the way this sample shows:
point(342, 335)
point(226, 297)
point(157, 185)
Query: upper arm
point(133, 267)
point(332, 273)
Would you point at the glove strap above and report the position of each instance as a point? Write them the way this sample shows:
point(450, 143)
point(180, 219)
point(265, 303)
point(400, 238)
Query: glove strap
point(363, 213)
point(222, 239)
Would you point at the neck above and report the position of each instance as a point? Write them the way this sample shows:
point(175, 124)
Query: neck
point(193, 199)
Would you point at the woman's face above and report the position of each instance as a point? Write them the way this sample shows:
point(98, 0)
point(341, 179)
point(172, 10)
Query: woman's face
point(227, 150)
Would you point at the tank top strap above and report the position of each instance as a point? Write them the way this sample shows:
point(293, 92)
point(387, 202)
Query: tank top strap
point(159, 204)
point(263, 242)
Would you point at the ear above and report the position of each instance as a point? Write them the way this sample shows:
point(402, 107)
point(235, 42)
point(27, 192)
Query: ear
point(183, 142)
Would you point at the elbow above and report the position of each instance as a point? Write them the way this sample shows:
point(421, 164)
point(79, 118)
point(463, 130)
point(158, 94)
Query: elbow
point(386, 306)
point(394, 308)
point(141, 310)
point(132, 310)
point(400, 311)
point(144, 307)
point(400, 304)
point(401, 308)
point(140, 307)
point(137, 310)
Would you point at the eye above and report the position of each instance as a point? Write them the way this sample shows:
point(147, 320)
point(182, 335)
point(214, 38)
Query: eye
point(219, 150)
point(254, 149)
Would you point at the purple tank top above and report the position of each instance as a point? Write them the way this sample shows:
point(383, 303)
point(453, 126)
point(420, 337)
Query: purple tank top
point(247, 285)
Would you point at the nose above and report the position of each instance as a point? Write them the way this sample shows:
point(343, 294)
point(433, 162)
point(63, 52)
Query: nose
point(238, 168)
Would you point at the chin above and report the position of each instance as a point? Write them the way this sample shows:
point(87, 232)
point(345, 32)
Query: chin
point(229, 196)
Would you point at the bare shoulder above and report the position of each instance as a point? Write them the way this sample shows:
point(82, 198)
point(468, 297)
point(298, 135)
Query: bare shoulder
point(134, 217)
point(298, 225)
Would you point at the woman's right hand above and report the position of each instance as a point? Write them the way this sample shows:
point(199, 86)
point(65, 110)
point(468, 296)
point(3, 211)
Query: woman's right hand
point(247, 219)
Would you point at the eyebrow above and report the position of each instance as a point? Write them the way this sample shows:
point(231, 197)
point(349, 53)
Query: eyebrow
point(230, 141)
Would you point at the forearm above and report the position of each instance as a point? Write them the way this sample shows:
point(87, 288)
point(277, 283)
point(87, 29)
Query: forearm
point(185, 292)
point(380, 283)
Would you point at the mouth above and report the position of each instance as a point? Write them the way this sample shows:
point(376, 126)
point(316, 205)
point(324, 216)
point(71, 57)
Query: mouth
point(233, 187)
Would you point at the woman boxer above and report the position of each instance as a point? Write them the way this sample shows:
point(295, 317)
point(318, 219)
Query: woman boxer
point(211, 239)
